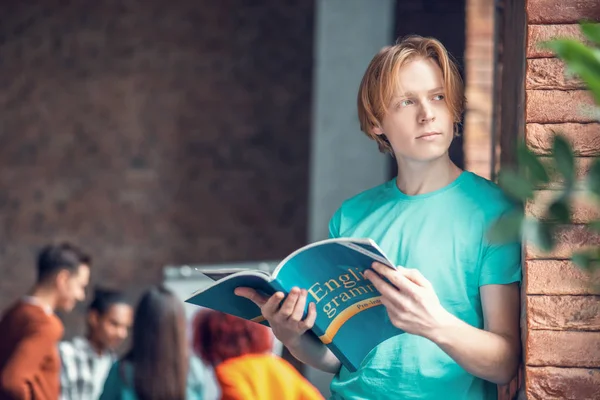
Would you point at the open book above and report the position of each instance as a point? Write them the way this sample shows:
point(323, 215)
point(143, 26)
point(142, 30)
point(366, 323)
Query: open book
point(351, 320)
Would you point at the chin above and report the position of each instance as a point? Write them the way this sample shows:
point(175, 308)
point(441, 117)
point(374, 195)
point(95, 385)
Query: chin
point(66, 307)
point(114, 346)
point(426, 152)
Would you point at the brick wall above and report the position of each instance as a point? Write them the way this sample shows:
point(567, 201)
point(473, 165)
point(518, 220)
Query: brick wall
point(479, 74)
point(152, 132)
point(562, 305)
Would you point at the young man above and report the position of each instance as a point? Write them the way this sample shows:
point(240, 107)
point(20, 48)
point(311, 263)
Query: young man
point(87, 360)
point(29, 360)
point(455, 294)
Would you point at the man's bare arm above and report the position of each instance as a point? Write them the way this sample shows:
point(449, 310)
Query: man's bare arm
point(493, 353)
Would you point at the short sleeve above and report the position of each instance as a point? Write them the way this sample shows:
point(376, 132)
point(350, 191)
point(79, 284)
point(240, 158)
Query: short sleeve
point(501, 263)
point(334, 224)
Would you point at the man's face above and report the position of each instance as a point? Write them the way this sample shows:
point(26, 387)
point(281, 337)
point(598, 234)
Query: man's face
point(112, 328)
point(418, 123)
point(71, 287)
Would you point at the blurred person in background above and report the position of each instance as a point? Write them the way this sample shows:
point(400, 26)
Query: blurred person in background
point(87, 360)
point(29, 359)
point(245, 368)
point(157, 366)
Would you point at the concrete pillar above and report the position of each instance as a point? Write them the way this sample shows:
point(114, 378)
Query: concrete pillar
point(348, 33)
point(344, 162)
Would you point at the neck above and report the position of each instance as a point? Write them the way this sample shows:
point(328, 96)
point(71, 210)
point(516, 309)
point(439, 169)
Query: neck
point(419, 177)
point(44, 295)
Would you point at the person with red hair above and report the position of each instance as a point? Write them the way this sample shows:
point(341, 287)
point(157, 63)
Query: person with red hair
point(240, 353)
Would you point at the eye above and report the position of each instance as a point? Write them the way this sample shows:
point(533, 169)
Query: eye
point(405, 103)
point(439, 97)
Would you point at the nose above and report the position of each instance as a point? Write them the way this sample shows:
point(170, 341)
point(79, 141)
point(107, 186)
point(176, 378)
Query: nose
point(426, 114)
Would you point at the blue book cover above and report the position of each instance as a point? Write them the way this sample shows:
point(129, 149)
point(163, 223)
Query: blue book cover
point(350, 321)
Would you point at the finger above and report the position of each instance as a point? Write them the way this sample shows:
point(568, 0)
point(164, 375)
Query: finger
point(417, 277)
point(298, 312)
point(396, 277)
point(251, 295)
point(382, 286)
point(311, 317)
point(272, 305)
point(290, 302)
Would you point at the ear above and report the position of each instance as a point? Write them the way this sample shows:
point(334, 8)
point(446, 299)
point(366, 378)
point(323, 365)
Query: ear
point(377, 130)
point(92, 318)
point(61, 278)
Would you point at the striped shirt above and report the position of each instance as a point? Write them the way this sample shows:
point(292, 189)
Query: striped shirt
point(83, 370)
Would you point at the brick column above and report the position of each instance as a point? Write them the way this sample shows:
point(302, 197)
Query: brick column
point(479, 73)
point(562, 308)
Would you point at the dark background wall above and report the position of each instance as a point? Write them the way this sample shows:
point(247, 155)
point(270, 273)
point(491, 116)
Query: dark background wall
point(151, 133)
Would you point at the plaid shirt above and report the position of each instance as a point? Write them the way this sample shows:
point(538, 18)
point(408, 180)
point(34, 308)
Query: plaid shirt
point(83, 371)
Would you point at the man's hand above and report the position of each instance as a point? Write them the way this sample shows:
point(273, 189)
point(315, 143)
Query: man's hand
point(286, 320)
point(290, 328)
point(410, 300)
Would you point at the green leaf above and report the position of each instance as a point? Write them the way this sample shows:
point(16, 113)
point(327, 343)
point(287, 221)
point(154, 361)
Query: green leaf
point(507, 228)
point(535, 170)
point(515, 185)
point(582, 259)
point(594, 226)
point(593, 178)
point(564, 159)
point(540, 233)
point(582, 60)
point(560, 211)
point(592, 31)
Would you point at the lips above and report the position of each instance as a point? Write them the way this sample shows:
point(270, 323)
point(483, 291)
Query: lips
point(428, 135)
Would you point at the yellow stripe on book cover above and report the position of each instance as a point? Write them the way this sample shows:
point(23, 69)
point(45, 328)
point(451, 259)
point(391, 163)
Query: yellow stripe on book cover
point(258, 319)
point(345, 315)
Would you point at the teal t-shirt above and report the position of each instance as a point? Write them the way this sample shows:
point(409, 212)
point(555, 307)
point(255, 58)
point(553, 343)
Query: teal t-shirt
point(442, 234)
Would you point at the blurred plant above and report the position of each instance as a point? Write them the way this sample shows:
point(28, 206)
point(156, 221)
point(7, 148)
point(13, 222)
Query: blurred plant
point(521, 182)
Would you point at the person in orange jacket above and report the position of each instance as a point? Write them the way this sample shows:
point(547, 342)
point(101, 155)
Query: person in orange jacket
point(30, 330)
point(245, 368)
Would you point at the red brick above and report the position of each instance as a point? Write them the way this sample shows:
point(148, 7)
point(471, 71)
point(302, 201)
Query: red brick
point(537, 34)
point(584, 208)
point(582, 167)
point(562, 313)
point(584, 138)
point(557, 106)
point(555, 277)
point(550, 73)
point(562, 349)
point(568, 239)
point(561, 11)
point(551, 383)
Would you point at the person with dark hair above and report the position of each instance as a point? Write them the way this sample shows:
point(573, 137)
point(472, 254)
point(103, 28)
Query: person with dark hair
point(157, 365)
point(29, 360)
point(87, 360)
point(245, 368)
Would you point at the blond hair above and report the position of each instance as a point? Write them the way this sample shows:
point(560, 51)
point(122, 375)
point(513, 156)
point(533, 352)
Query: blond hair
point(380, 82)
